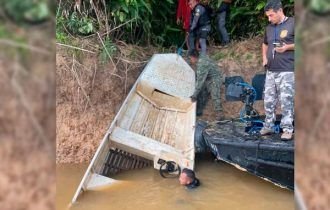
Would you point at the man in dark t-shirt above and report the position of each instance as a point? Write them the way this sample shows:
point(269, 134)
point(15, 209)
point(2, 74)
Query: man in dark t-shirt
point(278, 58)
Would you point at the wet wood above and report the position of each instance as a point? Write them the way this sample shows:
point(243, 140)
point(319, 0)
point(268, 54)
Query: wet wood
point(118, 160)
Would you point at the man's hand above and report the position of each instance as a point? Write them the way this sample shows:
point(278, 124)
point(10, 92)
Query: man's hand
point(193, 98)
point(178, 21)
point(281, 49)
point(264, 62)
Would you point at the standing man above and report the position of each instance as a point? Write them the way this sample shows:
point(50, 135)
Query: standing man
point(208, 80)
point(223, 12)
point(200, 26)
point(278, 58)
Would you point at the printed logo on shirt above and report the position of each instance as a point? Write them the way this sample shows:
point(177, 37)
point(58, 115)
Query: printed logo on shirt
point(284, 33)
point(197, 12)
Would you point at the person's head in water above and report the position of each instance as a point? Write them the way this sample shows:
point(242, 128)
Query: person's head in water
point(188, 178)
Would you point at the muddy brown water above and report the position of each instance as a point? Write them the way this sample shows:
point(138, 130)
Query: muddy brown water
point(222, 187)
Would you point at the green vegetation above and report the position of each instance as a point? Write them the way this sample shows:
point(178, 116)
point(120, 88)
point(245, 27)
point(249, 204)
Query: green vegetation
point(320, 6)
point(109, 49)
point(146, 22)
point(27, 10)
point(80, 25)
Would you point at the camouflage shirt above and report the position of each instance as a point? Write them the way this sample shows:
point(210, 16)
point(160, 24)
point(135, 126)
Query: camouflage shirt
point(207, 69)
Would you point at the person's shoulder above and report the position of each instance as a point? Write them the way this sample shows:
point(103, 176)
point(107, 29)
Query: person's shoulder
point(197, 182)
point(194, 184)
point(270, 26)
point(200, 6)
point(291, 19)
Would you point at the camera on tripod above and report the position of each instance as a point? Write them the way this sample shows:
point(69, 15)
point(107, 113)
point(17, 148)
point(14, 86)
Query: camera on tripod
point(238, 90)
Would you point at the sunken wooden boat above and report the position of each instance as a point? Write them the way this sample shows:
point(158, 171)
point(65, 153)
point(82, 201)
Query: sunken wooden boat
point(268, 157)
point(156, 121)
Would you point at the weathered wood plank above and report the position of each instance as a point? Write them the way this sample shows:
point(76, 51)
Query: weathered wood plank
point(169, 128)
point(150, 122)
point(180, 140)
point(141, 145)
point(159, 126)
point(131, 111)
point(140, 117)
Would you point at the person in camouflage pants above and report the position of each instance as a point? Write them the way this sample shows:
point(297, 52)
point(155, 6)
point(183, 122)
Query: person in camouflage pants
point(208, 80)
point(282, 84)
point(278, 58)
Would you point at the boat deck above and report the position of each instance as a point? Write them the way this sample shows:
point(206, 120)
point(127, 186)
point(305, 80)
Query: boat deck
point(164, 124)
point(265, 156)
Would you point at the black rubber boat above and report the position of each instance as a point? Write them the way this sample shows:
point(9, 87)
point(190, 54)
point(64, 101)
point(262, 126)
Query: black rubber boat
point(268, 157)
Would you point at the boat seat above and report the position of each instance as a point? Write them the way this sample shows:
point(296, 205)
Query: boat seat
point(141, 145)
point(162, 100)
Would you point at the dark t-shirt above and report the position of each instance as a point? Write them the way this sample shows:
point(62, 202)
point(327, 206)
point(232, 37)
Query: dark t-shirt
point(281, 33)
point(194, 184)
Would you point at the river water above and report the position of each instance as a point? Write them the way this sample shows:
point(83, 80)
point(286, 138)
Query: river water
point(222, 187)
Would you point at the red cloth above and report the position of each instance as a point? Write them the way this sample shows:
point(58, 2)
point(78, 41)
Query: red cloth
point(183, 13)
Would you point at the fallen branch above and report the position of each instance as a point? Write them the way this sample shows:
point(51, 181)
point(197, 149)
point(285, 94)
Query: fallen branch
point(75, 74)
point(77, 48)
point(131, 62)
point(25, 46)
point(106, 50)
point(108, 32)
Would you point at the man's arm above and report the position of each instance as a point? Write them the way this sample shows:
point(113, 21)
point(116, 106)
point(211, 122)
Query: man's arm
point(198, 12)
point(264, 54)
point(179, 11)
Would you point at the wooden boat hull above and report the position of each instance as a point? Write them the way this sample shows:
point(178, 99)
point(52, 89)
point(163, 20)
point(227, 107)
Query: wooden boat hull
point(267, 157)
point(156, 121)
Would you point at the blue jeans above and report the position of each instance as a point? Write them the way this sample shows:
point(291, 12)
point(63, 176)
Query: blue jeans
point(200, 34)
point(221, 20)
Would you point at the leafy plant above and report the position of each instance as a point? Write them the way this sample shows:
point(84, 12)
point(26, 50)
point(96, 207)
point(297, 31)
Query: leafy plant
point(61, 36)
point(153, 21)
point(109, 49)
point(78, 25)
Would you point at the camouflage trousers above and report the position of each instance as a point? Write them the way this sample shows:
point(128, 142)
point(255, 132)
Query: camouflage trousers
point(279, 86)
point(212, 88)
